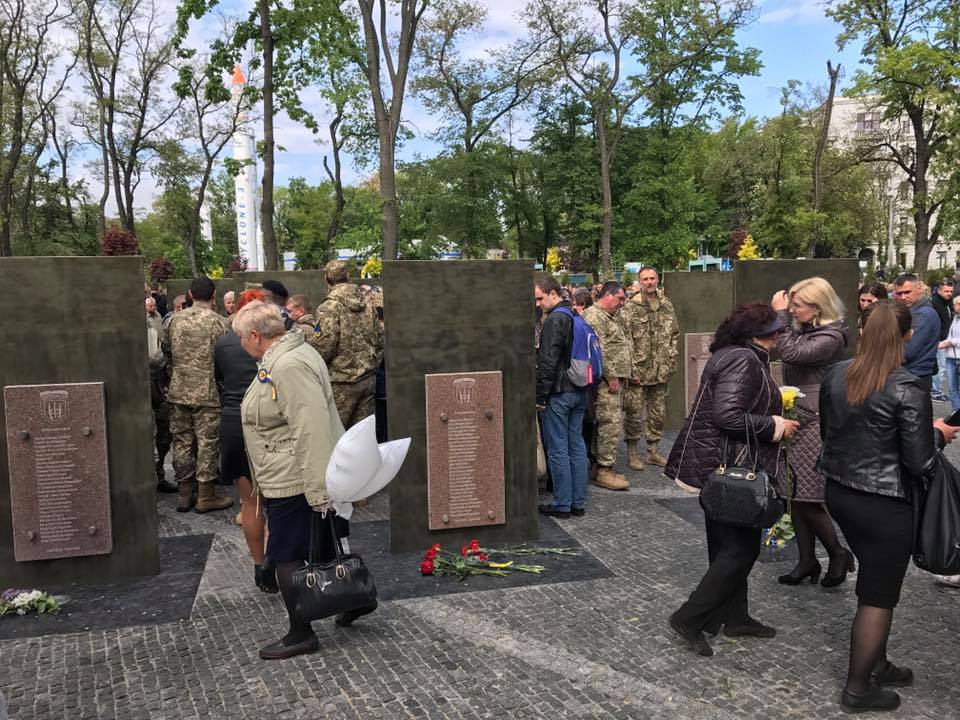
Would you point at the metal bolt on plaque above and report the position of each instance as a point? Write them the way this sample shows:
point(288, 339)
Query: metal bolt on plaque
point(24, 435)
point(489, 414)
point(92, 529)
point(443, 417)
point(446, 518)
point(491, 514)
point(86, 431)
point(31, 535)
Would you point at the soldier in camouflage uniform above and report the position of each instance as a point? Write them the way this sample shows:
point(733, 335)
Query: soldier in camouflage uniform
point(605, 318)
point(652, 323)
point(298, 309)
point(158, 394)
point(348, 337)
point(194, 401)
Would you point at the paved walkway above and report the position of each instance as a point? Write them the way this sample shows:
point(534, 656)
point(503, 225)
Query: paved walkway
point(595, 649)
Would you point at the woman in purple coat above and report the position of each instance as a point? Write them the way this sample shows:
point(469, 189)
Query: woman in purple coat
point(814, 337)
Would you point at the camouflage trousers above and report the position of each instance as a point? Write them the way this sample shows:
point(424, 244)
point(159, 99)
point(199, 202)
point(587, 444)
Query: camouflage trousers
point(354, 400)
point(609, 424)
point(163, 439)
point(196, 442)
point(646, 407)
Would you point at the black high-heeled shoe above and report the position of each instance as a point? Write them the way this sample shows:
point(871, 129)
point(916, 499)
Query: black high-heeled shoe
point(837, 577)
point(801, 573)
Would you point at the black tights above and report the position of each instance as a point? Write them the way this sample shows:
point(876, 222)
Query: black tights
point(812, 522)
point(868, 645)
point(300, 629)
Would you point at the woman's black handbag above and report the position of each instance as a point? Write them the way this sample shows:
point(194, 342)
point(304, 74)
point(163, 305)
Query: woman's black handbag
point(741, 494)
point(323, 589)
point(937, 512)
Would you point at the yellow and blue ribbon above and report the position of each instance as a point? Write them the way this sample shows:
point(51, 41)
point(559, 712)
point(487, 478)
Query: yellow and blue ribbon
point(264, 377)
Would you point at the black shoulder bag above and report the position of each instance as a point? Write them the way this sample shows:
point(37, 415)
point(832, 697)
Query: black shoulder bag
point(322, 590)
point(741, 494)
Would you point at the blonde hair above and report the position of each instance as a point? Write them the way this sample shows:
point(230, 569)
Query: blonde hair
point(261, 316)
point(818, 292)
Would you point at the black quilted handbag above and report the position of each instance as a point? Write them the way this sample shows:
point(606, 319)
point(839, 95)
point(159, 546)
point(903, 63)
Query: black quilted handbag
point(937, 521)
point(741, 494)
point(329, 588)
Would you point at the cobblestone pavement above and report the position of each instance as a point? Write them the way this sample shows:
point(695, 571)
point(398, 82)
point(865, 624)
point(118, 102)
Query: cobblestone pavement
point(597, 649)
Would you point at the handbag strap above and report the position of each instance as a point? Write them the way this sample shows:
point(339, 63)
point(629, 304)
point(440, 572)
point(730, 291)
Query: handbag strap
point(328, 518)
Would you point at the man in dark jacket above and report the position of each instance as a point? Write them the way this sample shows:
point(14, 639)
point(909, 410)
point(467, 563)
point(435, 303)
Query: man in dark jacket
point(942, 302)
point(921, 351)
point(563, 405)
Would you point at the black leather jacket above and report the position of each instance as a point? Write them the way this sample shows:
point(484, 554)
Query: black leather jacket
point(234, 370)
point(736, 383)
point(884, 445)
point(553, 355)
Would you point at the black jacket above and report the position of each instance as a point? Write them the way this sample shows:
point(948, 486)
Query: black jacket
point(736, 383)
point(881, 446)
point(234, 370)
point(553, 355)
point(945, 312)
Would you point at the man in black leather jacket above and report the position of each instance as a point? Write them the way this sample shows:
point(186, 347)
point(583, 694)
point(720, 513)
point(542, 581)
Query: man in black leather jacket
point(563, 405)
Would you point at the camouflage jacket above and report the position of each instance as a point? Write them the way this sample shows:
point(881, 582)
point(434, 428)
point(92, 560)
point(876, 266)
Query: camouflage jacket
point(347, 334)
point(308, 324)
point(617, 348)
point(188, 345)
point(655, 336)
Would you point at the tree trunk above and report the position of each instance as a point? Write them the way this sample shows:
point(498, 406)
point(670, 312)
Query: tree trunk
point(388, 198)
point(270, 250)
point(921, 199)
point(336, 178)
point(834, 73)
point(11, 161)
point(607, 195)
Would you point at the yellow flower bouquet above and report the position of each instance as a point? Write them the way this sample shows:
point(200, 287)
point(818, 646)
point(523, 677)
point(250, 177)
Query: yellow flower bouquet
point(782, 531)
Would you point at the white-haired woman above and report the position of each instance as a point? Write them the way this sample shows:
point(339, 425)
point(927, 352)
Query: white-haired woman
point(814, 337)
point(290, 427)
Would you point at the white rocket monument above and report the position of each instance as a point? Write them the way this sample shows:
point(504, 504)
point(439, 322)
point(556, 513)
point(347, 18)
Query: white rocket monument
point(249, 236)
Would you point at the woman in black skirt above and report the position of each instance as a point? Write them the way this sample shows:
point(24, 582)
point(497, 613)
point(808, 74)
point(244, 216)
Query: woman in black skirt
point(879, 437)
point(235, 370)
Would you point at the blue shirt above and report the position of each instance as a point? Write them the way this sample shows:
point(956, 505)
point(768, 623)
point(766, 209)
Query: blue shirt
point(921, 351)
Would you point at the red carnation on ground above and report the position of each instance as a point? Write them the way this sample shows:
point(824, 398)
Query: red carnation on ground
point(431, 554)
point(426, 567)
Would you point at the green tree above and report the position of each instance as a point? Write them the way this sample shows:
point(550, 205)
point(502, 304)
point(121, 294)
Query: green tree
point(911, 62)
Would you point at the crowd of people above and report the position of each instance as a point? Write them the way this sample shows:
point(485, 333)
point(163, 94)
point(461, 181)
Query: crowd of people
point(259, 397)
point(861, 435)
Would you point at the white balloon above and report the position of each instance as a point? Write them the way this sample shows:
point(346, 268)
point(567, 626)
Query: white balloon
point(393, 454)
point(358, 467)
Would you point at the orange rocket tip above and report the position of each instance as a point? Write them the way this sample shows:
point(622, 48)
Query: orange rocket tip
point(238, 78)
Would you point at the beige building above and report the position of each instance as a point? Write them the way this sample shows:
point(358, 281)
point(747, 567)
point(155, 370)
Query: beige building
point(856, 122)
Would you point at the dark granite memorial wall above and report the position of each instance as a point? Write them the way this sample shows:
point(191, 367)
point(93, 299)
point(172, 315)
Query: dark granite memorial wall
point(458, 317)
point(52, 334)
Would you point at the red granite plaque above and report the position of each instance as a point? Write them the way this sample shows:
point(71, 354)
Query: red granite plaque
point(59, 484)
point(696, 353)
point(465, 477)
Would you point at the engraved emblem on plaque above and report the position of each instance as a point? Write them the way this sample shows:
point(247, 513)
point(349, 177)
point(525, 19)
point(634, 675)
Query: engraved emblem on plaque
point(55, 405)
point(465, 388)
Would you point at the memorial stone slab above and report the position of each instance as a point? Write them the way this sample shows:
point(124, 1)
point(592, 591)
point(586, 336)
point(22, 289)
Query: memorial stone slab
point(465, 449)
point(460, 317)
point(57, 455)
point(91, 345)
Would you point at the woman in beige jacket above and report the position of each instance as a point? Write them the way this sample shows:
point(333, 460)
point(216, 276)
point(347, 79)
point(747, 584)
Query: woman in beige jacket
point(290, 426)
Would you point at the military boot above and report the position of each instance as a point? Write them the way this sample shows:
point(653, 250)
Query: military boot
point(607, 478)
point(654, 457)
point(207, 499)
point(633, 457)
point(185, 496)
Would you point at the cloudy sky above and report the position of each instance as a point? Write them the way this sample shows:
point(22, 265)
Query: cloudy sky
point(794, 36)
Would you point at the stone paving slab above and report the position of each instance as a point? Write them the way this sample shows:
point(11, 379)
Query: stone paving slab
point(594, 649)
